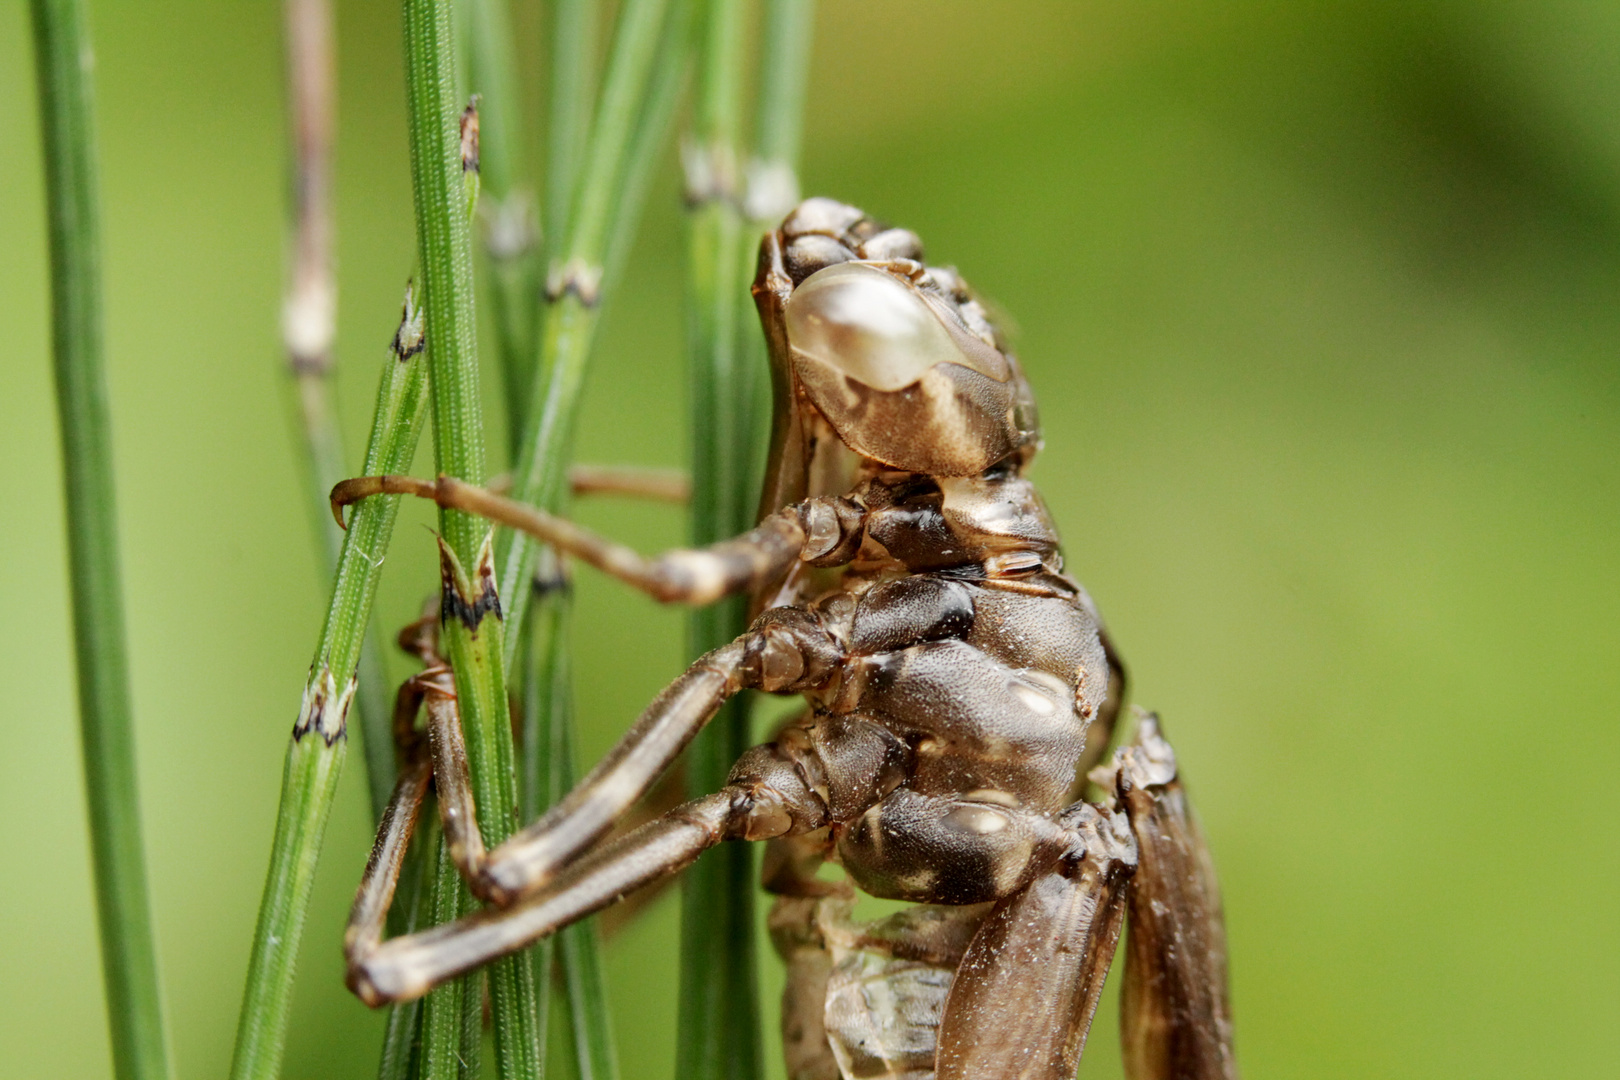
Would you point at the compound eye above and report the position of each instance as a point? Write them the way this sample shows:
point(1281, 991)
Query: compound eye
point(876, 329)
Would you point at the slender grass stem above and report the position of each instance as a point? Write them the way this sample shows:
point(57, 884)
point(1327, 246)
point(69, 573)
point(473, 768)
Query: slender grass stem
point(665, 92)
point(719, 1025)
point(579, 954)
point(319, 740)
point(444, 1048)
point(309, 304)
point(470, 1062)
point(574, 29)
point(443, 158)
point(128, 956)
point(308, 327)
point(577, 948)
point(308, 786)
point(575, 280)
point(548, 713)
point(511, 245)
point(720, 504)
point(440, 177)
point(507, 208)
point(543, 681)
point(772, 183)
point(784, 74)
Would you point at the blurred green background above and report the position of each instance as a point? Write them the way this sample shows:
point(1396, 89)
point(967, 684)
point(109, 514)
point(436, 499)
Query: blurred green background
point(1322, 302)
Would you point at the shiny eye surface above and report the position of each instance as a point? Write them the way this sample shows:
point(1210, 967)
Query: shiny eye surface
point(869, 325)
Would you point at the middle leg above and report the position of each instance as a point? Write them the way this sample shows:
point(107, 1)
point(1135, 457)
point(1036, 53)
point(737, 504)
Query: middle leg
point(784, 651)
point(772, 802)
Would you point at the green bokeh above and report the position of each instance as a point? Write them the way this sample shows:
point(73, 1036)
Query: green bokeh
point(1322, 303)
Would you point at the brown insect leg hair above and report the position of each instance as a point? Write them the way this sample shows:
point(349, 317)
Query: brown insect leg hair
point(815, 530)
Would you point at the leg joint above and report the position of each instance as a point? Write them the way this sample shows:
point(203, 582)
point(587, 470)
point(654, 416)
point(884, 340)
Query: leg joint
point(788, 650)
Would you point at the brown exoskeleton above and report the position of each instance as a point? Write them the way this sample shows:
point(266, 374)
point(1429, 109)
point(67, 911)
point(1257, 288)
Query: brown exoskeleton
point(907, 582)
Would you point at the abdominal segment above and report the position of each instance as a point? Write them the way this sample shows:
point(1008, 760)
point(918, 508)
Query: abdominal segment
point(864, 1000)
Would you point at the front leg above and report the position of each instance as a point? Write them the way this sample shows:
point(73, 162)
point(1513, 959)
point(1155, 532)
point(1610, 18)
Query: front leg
point(821, 531)
point(531, 856)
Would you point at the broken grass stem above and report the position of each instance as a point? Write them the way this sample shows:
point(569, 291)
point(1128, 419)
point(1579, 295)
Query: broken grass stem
point(308, 786)
point(308, 327)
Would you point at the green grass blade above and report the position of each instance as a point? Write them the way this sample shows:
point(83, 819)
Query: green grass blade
point(507, 204)
point(548, 715)
point(472, 633)
point(308, 786)
point(784, 75)
point(640, 29)
point(470, 1064)
point(511, 243)
point(665, 92)
point(574, 28)
point(579, 961)
point(444, 249)
point(584, 1005)
point(772, 190)
point(719, 1033)
point(444, 1047)
point(128, 956)
point(545, 690)
point(575, 280)
point(320, 741)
